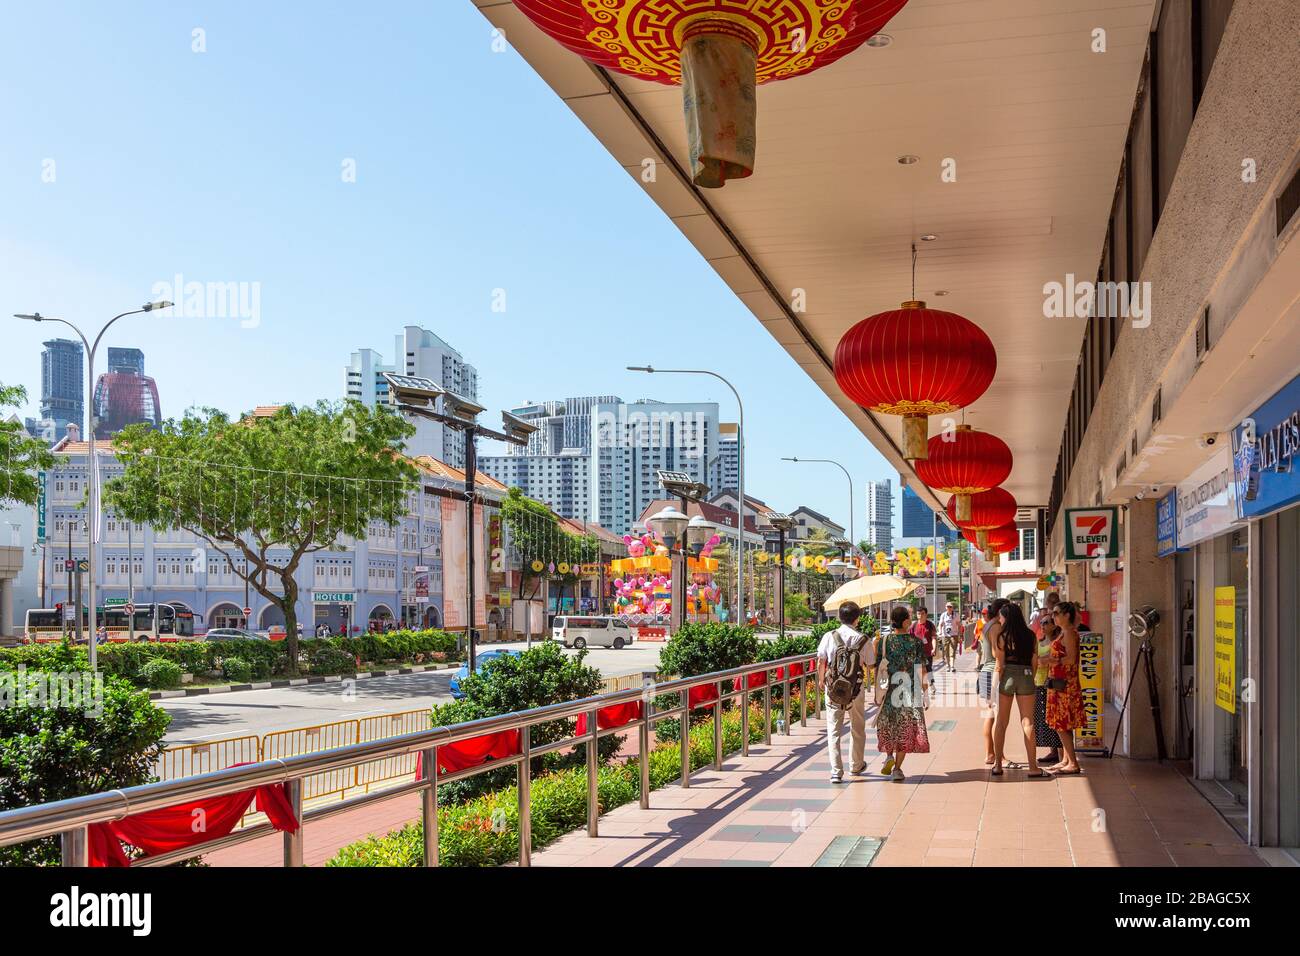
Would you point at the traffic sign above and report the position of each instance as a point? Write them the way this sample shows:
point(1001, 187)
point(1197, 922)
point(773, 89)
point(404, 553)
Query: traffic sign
point(920, 590)
point(113, 602)
point(130, 609)
point(247, 611)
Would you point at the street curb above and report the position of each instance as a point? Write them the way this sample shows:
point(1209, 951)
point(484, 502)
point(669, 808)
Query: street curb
point(297, 681)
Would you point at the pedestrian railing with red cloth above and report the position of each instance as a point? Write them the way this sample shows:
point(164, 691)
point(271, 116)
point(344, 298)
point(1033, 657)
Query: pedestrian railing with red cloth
point(174, 820)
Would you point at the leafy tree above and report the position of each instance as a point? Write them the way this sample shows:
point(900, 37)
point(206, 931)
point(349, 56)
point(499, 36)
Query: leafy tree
point(296, 481)
point(538, 538)
point(56, 752)
point(21, 456)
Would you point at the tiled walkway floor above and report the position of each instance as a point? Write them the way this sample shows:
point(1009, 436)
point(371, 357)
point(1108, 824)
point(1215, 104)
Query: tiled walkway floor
point(778, 808)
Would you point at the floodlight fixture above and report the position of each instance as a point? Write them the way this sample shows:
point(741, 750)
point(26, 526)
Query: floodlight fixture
point(412, 390)
point(463, 409)
point(681, 484)
point(516, 428)
point(779, 521)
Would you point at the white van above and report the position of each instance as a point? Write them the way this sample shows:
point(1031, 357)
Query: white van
point(582, 631)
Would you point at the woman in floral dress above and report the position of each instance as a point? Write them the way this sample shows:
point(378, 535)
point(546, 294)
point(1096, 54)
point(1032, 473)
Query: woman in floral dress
point(900, 725)
point(1065, 704)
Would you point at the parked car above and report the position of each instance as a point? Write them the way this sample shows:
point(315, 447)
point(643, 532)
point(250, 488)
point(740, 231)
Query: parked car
point(234, 634)
point(594, 631)
point(481, 658)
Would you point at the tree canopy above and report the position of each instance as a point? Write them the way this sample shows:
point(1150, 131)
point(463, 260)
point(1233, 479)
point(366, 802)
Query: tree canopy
point(21, 456)
point(267, 490)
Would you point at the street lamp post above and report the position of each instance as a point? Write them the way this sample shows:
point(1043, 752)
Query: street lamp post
point(740, 475)
point(853, 542)
point(93, 504)
point(782, 524)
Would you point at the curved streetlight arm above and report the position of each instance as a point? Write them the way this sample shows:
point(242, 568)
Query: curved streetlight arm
point(852, 503)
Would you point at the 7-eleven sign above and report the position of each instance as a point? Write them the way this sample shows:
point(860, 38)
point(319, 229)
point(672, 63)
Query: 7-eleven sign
point(1091, 533)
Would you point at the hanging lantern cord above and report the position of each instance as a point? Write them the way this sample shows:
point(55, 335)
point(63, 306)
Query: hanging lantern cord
point(914, 271)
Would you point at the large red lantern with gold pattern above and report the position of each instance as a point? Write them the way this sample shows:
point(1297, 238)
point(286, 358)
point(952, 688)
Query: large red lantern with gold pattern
point(998, 541)
point(988, 510)
point(965, 462)
point(718, 50)
point(915, 362)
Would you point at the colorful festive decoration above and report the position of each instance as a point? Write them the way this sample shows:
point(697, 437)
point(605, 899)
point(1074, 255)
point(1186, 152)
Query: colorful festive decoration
point(989, 509)
point(718, 50)
point(965, 462)
point(914, 362)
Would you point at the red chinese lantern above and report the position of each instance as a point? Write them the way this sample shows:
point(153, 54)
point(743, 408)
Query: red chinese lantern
point(998, 541)
point(915, 362)
point(963, 463)
point(718, 50)
point(988, 509)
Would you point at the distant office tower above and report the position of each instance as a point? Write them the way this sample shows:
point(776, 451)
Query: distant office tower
point(124, 395)
point(417, 352)
point(63, 384)
point(880, 515)
point(919, 520)
point(726, 467)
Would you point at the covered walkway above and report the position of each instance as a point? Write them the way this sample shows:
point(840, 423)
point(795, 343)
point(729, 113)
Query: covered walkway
point(778, 808)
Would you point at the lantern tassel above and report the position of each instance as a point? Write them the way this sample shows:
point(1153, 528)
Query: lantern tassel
point(719, 75)
point(963, 508)
point(916, 437)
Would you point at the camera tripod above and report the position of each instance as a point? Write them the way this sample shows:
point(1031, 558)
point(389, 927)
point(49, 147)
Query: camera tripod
point(1146, 656)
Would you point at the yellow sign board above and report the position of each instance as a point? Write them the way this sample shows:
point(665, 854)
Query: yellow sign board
point(1092, 670)
point(1225, 648)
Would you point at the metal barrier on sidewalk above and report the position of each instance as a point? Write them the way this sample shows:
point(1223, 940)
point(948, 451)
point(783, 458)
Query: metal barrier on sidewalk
point(69, 819)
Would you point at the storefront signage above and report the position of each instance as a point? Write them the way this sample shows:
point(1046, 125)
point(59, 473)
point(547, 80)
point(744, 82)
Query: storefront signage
point(1092, 671)
point(1167, 524)
point(1207, 501)
point(1225, 648)
point(333, 597)
point(40, 507)
point(1091, 533)
point(1266, 453)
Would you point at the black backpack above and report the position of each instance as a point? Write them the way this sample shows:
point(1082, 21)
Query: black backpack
point(844, 680)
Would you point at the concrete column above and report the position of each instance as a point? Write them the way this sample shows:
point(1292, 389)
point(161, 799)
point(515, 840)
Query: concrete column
point(6, 606)
point(1149, 579)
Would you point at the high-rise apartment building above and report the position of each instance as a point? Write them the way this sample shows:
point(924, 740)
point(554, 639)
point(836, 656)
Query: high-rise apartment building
point(63, 384)
point(726, 466)
point(880, 515)
point(418, 352)
point(595, 458)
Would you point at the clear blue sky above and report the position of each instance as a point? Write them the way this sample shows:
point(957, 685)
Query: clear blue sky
point(471, 175)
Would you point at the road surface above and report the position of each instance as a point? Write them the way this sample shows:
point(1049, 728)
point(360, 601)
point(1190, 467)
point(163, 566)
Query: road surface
point(257, 712)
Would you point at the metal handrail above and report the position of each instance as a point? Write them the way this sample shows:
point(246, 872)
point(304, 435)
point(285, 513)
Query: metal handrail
point(69, 818)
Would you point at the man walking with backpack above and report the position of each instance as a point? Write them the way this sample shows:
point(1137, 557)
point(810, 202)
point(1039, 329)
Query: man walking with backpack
point(841, 658)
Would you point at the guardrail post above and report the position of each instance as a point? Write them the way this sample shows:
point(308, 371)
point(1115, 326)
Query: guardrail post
point(817, 695)
point(643, 745)
point(526, 796)
point(593, 788)
point(803, 699)
point(686, 738)
point(767, 708)
point(429, 805)
point(293, 841)
point(744, 716)
point(787, 684)
point(717, 729)
point(75, 847)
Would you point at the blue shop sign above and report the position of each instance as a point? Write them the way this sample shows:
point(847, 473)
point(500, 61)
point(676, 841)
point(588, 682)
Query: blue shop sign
point(1265, 449)
point(1167, 524)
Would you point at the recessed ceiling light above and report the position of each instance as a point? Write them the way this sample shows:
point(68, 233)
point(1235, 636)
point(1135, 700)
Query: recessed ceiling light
point(941, 292)
point(879, 40)
point(907, 159)
point(929, 237)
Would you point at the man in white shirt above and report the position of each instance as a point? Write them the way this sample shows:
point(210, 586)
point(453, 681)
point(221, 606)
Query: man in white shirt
point(845, 639)
point(949, 635)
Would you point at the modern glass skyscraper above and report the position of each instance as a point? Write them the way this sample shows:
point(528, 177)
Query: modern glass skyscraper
point(918, 519)
point(63, 384)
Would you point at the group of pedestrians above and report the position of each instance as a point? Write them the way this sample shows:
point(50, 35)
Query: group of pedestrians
point(1031, 666)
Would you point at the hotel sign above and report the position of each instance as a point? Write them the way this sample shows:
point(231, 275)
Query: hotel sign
point(1091, 533)
point(333, 597)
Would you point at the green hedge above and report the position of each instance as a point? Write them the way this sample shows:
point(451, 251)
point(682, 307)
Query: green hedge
point(701, 649)
point(265, 659)
point(485, 831)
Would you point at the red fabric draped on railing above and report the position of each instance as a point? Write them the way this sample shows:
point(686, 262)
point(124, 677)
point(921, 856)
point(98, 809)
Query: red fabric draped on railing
point(755, 680)
point(702, 694)
point(470, 753)
point(616, 715)
point(174, 828)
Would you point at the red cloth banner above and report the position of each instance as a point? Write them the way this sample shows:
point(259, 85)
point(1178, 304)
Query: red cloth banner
point(702, 694)
point(186, 825)
point(755, 680)
point(473, 752)
point(616, 715)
